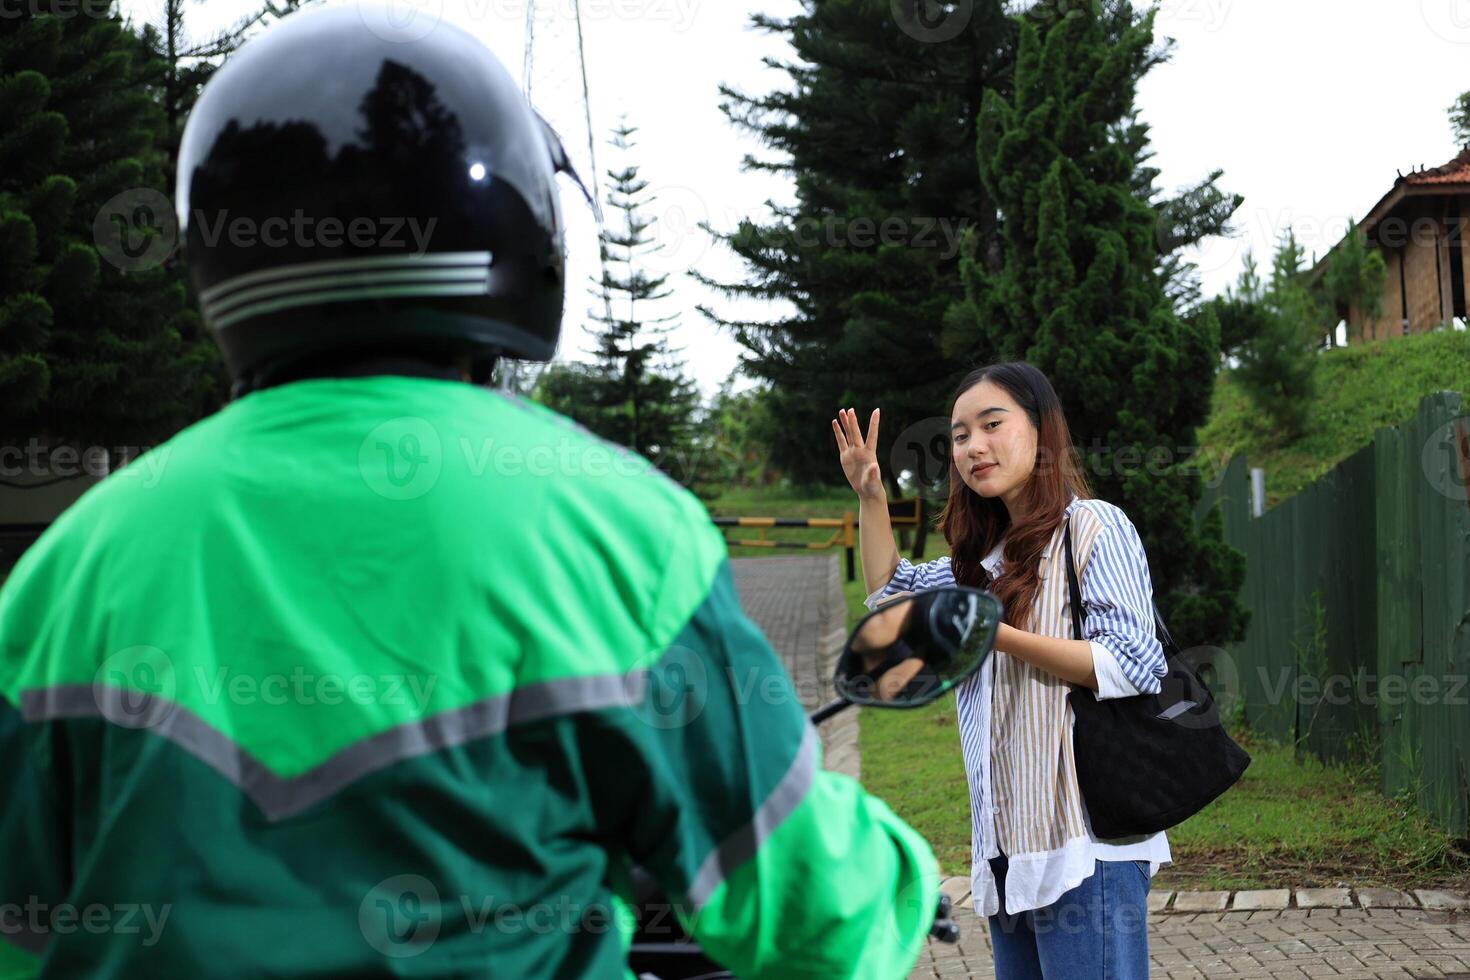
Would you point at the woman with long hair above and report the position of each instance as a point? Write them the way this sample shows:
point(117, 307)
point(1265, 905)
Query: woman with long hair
point(1061, 903)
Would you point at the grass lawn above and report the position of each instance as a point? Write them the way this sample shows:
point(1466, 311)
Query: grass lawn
point(1290, 821)
point(1359, 389)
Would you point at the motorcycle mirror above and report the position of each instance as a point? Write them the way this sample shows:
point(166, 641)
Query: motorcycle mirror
point(561, 162)
point(917, 648)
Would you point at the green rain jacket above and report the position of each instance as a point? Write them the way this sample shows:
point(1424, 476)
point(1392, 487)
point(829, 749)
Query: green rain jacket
point(396, 676)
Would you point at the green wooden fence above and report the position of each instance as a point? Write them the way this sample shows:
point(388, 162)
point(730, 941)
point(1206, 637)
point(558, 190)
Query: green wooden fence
point(1359, 593)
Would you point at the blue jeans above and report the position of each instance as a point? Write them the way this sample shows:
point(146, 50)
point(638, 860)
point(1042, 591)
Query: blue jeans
point(1096, 931)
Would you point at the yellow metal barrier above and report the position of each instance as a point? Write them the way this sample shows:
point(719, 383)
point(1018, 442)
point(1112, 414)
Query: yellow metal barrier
point(901, 513)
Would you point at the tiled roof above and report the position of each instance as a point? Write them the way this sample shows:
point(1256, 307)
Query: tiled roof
point(1457, 171)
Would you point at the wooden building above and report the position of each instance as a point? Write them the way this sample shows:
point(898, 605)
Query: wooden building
point(1422, 227)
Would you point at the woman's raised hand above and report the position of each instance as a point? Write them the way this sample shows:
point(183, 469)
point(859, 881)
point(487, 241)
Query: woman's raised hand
point(859, 456)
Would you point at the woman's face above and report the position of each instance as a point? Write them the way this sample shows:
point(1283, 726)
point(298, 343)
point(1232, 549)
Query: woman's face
point(992, 441)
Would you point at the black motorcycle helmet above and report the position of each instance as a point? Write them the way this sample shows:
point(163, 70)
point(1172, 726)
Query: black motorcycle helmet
point(348, 191)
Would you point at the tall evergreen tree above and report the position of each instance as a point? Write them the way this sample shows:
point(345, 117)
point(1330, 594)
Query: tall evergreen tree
point(1079, 293)
point(637, 394)
point(877, 131)
point(98, 343)
point(1278, 366)
point(1188, 218)
point(1240, 311)
point(1355, 276)
point(180, 64)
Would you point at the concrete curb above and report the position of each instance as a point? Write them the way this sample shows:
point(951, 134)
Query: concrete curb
point(1167, 902)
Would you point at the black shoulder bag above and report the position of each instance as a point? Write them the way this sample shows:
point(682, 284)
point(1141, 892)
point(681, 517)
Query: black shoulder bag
point(1147, 762)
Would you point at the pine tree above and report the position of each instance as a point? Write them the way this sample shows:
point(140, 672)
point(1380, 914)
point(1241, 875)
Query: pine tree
point(637, 393)
point(1079, 293)
point(1241, 311)
point(1278, 366)
point(877, 131)
point(1194, 214)
point(181, 64)
point(98, 343)
point(1355, 277)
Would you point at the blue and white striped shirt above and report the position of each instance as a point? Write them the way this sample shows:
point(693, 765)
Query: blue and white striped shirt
point(1024, 793)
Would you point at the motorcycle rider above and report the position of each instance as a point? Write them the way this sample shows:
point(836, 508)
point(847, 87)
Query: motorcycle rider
point(387, 672)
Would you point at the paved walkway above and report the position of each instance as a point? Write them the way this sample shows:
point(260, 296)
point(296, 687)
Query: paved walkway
point(797, 602)
point(1328, 933)
point(1369, 933)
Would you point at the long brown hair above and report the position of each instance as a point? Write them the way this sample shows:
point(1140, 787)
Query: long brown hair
point(973, 524)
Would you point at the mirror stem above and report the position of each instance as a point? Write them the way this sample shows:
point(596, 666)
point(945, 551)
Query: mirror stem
point(829, 709)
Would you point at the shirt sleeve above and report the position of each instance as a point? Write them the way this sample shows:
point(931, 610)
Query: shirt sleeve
point(1118, 615)
point(1111, 681)
point(911, 578)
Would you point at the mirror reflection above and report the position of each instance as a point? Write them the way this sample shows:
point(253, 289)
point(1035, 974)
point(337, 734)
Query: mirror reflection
point(917, 646)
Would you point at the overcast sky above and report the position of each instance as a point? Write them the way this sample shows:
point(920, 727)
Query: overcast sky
point(1309, 107)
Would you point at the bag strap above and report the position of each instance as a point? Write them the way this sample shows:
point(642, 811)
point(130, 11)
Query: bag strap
point(1075, 591)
